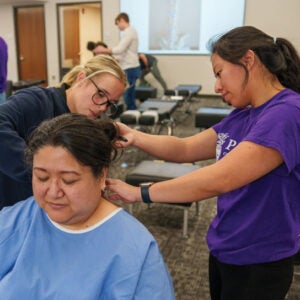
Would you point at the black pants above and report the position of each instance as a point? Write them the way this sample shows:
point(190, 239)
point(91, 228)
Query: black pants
point(267, 281)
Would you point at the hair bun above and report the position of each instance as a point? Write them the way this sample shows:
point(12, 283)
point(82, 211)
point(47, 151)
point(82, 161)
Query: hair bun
point(109, 129)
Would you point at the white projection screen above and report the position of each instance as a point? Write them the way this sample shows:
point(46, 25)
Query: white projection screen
point(181, 26)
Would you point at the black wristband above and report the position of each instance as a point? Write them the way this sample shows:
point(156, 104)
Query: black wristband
point(145, 192)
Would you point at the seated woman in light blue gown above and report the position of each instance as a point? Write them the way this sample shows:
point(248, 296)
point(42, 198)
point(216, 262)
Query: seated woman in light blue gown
point(68, 241)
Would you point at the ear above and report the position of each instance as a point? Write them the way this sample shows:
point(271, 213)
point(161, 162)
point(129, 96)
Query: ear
point(80, 76)
point(248, 59)
point(103, 179)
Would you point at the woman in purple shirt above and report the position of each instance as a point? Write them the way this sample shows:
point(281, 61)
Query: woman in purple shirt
point(256, 176)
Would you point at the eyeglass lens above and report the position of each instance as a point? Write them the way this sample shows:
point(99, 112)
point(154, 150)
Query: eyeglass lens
point(100, 98)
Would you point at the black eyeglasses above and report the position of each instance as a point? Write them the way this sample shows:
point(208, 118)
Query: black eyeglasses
point(100, 98)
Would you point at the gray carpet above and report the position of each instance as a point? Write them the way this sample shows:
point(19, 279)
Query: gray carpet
point(186, 258)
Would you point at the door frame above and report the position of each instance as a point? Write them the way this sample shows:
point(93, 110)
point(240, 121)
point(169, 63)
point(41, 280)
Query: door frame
point(59, 26)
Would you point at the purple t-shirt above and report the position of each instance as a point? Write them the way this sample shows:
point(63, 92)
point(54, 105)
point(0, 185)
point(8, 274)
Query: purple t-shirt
point(260, 221)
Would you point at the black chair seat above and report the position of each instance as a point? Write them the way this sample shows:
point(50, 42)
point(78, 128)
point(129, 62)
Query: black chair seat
point(156, 171)
point(209, 116)
point(145, 92)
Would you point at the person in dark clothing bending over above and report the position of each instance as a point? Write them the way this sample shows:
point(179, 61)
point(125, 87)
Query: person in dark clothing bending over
point(149, 65)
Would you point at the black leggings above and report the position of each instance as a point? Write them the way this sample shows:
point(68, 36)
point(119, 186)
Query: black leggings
point(266, 281)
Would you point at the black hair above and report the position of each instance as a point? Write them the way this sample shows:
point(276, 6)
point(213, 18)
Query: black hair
point(92, 45)
point(278, 55)
point(90, 141)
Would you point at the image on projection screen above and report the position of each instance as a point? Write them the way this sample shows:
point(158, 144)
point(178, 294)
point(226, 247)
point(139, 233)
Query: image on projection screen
point(181, 26)
point(174, 25)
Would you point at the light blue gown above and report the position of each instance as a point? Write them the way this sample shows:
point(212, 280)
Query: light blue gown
point(116, 259)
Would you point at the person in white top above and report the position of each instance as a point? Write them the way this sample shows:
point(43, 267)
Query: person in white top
point(126, 52)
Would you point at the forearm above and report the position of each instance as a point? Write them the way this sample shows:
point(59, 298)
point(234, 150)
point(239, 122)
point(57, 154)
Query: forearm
point(107, 51)
point(201, 146)
point(164, 147)
point(192, 187)
point(123, 45)
point(102, 50)
point(195, 186)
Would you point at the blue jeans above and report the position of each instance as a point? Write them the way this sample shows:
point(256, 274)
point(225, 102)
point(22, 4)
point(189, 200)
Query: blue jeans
point(2, 97)
point(129, 95)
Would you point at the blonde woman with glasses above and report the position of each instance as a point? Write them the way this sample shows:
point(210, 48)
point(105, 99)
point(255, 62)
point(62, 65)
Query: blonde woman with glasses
point(91, 90)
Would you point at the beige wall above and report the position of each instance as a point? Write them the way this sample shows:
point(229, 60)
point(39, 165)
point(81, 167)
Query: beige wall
point(278, 18)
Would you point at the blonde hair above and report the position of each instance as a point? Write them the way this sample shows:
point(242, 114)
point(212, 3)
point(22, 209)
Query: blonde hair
point(98, 64)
